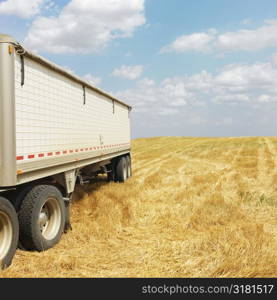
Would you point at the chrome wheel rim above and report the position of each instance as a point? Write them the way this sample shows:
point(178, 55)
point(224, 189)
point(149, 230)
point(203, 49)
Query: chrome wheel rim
point(129, 170)
point(49, 220)
point(6, 234)
point(125, 172)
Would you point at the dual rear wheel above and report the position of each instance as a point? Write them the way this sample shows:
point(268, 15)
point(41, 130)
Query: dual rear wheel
point(123, 169)
point(41, 218)
point(38, 225)
point(40, 221)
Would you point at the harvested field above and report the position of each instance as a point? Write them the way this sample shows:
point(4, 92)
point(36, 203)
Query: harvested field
point(195, 207)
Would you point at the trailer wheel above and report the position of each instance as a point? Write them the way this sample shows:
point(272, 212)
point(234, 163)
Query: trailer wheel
point(41, 218)
point(129, 166)
point(8, 232)
point(121, 169)
point(20, 196)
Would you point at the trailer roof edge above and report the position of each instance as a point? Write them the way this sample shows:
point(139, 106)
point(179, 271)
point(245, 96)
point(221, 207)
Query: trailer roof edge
point(8, 39)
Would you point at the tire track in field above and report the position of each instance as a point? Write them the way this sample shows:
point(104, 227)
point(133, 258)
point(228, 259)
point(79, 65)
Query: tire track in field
point(188, 143)
point(262, 169)
point(231, 179)
point(223, 170)
point(145, 167)
point(159, 166)
point(236, 182)
point(273, 153)
point(264, 172)
point(264, 190)
point(261, 191)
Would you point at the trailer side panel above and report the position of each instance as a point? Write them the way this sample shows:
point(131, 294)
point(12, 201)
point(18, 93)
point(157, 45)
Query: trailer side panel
point(60, 121)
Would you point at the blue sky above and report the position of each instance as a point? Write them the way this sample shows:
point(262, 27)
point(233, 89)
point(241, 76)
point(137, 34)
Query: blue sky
point(189, 68)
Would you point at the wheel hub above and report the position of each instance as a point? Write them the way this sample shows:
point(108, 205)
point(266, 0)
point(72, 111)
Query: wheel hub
point(6, 233)
point(49, 219)
point(43, 219)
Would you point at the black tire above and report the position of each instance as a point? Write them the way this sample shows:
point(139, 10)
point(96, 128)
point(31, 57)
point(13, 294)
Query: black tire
point(20, 196)
point(41, 218)
point(129, 166)
point(121, 169)
point(9, 232)
point(16, 197)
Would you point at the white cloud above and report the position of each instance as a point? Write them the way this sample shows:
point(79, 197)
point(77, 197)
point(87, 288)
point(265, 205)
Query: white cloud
point(231, 98)
point(246, 21)
point(167, 98)
point(249, 40)
point(128, 54)
point(267, 98)
point(85, 26)
point(128, 72)
point(94, 80)
point(166, 111)
point(21, 8)
point(211, 41)
point(235, 85)
point(274, 59)
point(199, 42)
point(264, 98)
point(231, 101)
point(240, 77)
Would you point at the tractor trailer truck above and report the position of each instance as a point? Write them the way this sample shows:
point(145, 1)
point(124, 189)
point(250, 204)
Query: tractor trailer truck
point(56, 129)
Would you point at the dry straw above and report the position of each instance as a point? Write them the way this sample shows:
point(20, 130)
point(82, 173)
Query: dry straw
point(195, 207)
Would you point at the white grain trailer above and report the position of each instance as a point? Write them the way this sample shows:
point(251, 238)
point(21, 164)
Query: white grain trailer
point(55, 129)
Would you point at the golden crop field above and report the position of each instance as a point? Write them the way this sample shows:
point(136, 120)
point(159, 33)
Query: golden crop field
point(195, 207)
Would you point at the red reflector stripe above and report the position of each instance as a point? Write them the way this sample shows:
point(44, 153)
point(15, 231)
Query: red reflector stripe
point(40, 155)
